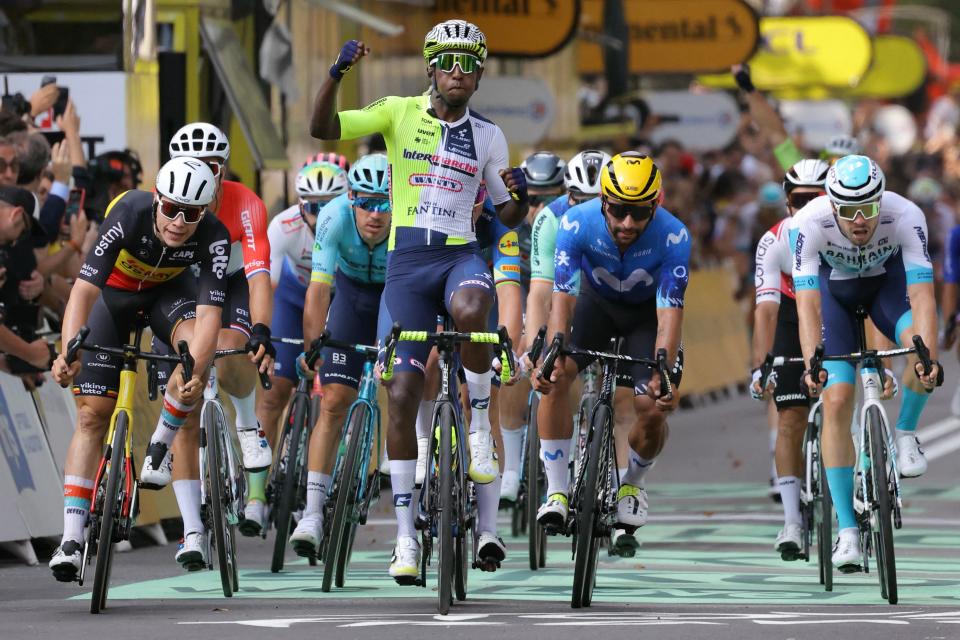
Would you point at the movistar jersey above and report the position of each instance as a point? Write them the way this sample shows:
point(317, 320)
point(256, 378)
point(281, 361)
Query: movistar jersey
point(338, 245)
point(655, 265)
point(543, 238)
point(435, 167)
point(815, 236)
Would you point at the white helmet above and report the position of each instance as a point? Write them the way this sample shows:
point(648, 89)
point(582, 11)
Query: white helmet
point(855, 180)
point(321, 180)
point(187, 181)
point(806, 173)
point(841, 145)
point(583, 172)
point(455, 34)
point(199, 140)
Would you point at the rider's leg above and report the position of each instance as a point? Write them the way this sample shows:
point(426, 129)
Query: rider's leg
point(646, 440)
point(431, 387)
point(513, 407)
point(324, 441)
point(93, 418)
point(910, 459)
point(555, 426)
point(186, 473)
point(490, 549)
point(836, 443)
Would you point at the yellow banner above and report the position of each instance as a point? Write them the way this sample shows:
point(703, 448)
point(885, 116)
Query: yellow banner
point(518, 28)
point(899, 68)
point(805, 52)
point(679, 36)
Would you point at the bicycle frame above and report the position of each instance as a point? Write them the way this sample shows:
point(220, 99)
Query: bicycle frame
point(872, 389)
point(211, 402)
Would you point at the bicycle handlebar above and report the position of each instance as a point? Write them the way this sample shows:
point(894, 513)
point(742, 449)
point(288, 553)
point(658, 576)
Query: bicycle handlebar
point(77, 344)
point(919, 348)
point(659, 362)
point(223, 353)
point(500, 339)
point(326, 341)
point(536, 347)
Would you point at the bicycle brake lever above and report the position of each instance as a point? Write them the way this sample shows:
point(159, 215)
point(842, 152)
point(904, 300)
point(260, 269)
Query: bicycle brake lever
point(664, 375)
point(546, 370)
point(73, 348)
point(186, 360)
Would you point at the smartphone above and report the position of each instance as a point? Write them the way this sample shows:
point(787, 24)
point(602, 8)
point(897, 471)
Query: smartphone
point(53, 137)
point(75, 202)
point(61, 104)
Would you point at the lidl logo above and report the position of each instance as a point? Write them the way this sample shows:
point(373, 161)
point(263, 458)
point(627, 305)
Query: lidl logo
point(510, 244)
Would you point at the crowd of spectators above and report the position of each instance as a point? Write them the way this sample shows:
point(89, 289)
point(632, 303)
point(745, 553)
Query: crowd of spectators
point(51, 203)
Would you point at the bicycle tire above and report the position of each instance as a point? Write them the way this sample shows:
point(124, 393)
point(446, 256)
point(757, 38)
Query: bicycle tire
point(349, 483)
point(886, 558)
point(291, 476)
point(462, 564)
point(587, 544)
point(110, 504)
point(825, 534)
point(237, 491)
point(216, 481)
point(445, 536)
point(534, 471)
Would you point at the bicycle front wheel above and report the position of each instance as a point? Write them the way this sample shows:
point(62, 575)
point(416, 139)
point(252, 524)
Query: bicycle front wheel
point(110, 509)
point(286, 497)
point(343, 528)
point(448, 501)
point(882, 492)
point(588, 543)
point(214, 425)
point(537, 537)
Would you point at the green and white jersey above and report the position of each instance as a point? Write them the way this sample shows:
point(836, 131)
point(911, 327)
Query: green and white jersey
point(435, 167)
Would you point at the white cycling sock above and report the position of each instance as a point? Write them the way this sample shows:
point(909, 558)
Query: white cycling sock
point(478, 388)
point(245, 408)
point(188, 499)
point(556, 455)
point(621, 471)
point(512, 442)
point(637, 469)
point(790, 495)
point(402, 476)
point(172, 416)
point(77, 494)
point(424, 416)
point(488, 503)
point(317, 486)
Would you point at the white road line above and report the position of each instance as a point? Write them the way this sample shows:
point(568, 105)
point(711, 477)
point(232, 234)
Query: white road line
point(726, 517)
point(939, 428)
point(941, 448)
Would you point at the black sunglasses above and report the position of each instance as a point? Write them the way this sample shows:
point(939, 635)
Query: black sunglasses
point(800, 200)
point(639, 212)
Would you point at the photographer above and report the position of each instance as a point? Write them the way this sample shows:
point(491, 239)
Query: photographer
point(23, 355)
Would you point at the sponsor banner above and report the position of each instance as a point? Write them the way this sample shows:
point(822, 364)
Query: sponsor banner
point(104, 121)
point(514, 28)
point(37, 484)
point(805, 52)
point(700, 121)
point(898, 69)
point(522, 106)
point(816, 120)
point(679, 36)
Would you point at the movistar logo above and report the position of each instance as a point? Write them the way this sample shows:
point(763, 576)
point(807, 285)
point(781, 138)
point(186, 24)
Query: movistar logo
point(566, 225)
point(480, 403)
point(677, 238)
point(556, 455)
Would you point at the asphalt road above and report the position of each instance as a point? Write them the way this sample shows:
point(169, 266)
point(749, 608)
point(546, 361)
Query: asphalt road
point(706, 568)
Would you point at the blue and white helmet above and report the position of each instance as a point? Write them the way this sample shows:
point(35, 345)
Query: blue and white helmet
point(371, 174)
point(855, 180)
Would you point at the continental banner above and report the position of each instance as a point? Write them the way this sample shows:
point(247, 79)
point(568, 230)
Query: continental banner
point(805, 52)
point(679, 36)
point(514, 28)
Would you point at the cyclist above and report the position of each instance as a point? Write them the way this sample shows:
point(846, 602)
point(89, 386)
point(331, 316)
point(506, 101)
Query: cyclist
point(328, 157)
point(862, 245)
point(839, 146)
point(775, 330)
point(350, 249)
point(544, 172)
point(439, 151)
point(291, 249)
point(621, 269)
point(245, 324)
point(146, 243)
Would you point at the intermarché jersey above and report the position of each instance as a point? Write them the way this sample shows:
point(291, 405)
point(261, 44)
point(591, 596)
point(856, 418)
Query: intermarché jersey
point(655, 264)
point(773, 275)
point(291, 248)
point(543, 238)
point(338, 245)
point(435, 167)
point(815, 236)
point(130, 257)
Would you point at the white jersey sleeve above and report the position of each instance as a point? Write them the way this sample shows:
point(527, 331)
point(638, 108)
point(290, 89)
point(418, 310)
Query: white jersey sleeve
point(276, 237)
point(806, 238)
point(767, 271)
point(913, 235)
point(497, 160)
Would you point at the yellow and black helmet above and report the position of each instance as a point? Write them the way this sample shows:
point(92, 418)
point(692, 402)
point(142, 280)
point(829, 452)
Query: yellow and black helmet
point(631, 177)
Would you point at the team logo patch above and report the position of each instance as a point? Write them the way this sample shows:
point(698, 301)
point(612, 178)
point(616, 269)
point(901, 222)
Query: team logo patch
point(439, 182)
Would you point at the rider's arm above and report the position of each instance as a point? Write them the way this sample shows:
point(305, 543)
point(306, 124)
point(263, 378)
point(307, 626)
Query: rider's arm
point(912, 232)
point(510, 209)
point(82, 296)
point(506, 278)
point(806, 281)
point(923, 304)
point(767, 280)
point(770, 124)
point(376, 117)
point(324, 123)
point(261, 298)
point(315, 309)
point(211, 292)
point(277, 241)
point(674, 276)
point(561, 313)
point(205, 333)
point(543, 238)
point(510, 308)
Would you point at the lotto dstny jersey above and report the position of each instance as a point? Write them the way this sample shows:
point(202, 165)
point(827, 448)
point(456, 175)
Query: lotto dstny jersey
point(543, 238)
point(773, 274)
point(655, 265)
point(435, 167)
point(291, 248)
point(130, 257)
point(338, 245)
point(815, 236)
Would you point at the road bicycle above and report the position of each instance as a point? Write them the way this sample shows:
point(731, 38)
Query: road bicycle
point(533, 481)
point(877, 501)
point(593, 503)
point(223, 485)
point(116, 503)
point(286, 490)
point(447, 504)
point(353, 487)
